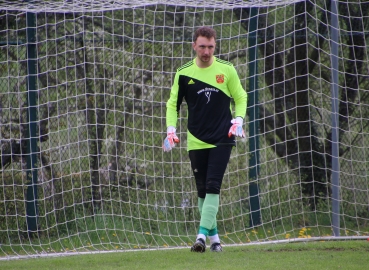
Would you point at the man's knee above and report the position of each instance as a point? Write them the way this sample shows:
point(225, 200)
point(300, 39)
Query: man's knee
point(201, 189)
point(201, 193)
point(213, 188)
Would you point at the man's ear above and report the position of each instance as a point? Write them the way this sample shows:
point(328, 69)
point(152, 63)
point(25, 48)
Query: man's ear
point(193, 45)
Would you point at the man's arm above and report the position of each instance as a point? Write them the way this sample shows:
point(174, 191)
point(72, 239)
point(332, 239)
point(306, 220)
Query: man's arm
point(172, 117)
point(238, 94)
point(240, 99)
point(172, 104)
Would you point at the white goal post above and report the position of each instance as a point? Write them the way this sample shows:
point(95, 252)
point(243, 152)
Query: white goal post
point(83, 87)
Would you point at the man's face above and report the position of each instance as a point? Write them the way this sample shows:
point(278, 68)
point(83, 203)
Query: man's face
point(204, 49)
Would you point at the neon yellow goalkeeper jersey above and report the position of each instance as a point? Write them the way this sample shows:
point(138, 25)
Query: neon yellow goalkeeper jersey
point(207, 92)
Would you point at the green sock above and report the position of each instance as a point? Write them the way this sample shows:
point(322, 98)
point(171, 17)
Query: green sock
point(209, 211)
point(200, 203)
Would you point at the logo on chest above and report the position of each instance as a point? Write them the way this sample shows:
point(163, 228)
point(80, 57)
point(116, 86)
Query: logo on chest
point(207, 91)
point(219, 78)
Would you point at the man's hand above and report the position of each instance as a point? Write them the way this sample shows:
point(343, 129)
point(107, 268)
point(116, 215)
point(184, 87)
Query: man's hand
point(171, 139)
point(236, 129)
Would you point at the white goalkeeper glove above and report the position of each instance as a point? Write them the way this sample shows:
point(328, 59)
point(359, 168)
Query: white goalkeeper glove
point(171, 139)
point(236, 129)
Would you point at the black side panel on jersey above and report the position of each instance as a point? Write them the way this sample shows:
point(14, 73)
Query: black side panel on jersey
point(209, 114)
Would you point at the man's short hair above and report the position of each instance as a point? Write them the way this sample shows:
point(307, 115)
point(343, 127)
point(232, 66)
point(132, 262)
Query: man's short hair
point(204, 31)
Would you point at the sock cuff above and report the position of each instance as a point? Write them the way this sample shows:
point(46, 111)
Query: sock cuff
point(204, 231)
point(213, 232)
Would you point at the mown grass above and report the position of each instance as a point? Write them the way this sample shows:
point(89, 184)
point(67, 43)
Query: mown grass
point(307, 255)
point(105, 239)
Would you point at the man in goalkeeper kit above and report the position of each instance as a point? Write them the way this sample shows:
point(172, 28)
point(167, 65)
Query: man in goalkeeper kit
point(207, 84)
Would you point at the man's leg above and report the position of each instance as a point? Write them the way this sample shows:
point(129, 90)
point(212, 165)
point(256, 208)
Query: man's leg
point(199, 160)
point(209, 166)
point(217, 164)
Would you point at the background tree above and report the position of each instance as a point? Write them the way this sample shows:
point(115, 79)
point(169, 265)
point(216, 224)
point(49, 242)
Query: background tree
point(293, 60)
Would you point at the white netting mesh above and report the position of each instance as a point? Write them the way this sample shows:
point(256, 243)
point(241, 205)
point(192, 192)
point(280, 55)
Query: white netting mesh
point(101, 5)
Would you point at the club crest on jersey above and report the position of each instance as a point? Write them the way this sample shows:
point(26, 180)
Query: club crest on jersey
point(219, 78)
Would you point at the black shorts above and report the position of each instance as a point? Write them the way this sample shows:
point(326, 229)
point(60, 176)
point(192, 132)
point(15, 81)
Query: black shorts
point(208, 166)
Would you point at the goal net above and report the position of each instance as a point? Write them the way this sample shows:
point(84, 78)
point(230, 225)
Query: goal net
point(83, 89)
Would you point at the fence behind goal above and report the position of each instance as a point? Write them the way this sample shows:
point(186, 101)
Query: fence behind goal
point(83, 87)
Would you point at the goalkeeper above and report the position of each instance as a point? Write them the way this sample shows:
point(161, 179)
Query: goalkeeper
point(207, 84)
